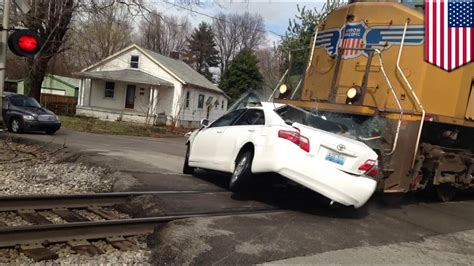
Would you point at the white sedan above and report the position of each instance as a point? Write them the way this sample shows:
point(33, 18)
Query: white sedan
point(289, 141)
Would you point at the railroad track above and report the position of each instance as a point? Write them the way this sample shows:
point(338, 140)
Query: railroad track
point(77, 230)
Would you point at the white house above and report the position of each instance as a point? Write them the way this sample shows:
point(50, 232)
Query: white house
point(139, 85)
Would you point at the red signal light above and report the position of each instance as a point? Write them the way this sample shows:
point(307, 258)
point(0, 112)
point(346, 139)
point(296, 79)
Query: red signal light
point(27, 43)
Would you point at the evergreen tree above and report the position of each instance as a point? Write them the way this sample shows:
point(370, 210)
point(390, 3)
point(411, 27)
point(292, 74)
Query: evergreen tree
point(242, 75)
point(201, 51)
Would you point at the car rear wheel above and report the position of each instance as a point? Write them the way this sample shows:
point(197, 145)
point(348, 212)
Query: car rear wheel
point(242, 175)
point(186, 168)
point(16, 125)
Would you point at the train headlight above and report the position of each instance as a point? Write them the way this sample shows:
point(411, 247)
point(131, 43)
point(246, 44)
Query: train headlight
point(283, 88)
point(352, 93)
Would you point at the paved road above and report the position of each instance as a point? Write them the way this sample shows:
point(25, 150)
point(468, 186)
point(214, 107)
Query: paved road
point(306, 231)
point(141, 154)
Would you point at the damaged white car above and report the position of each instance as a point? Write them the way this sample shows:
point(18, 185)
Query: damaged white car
point(290, 141)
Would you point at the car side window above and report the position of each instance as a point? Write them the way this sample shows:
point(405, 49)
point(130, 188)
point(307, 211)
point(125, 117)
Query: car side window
point(251, 117)
point(227, 119)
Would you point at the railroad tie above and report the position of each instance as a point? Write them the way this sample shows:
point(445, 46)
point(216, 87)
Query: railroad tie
point(37, 252)
point(84, 247)
point(70, 216)
point(33, 217)
point(121, 243)
point(104, 213)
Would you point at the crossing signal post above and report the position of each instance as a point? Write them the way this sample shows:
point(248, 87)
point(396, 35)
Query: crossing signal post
point(3, 48)
point(25, 42)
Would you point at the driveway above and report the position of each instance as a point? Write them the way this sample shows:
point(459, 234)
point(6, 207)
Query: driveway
point(305, 231)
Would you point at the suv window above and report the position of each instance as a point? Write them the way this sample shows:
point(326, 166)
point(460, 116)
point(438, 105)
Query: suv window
point(251, 117)
point(227, 119)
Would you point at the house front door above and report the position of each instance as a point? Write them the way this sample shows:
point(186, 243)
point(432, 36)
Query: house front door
point(130, 97)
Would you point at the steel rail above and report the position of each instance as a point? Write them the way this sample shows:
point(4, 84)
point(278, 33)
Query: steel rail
point(54, 233)
point(43, 202)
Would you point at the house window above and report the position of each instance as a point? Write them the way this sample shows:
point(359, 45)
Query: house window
point(187, 99)
point(222, 105)
point(201, 101)
point(109, 89)
point(134, 61)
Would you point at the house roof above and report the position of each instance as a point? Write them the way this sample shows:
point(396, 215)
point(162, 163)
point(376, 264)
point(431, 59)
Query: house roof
point(183, 71)
point(176, 68)
point(126, 75)
point(72, 82)
point(68, 81)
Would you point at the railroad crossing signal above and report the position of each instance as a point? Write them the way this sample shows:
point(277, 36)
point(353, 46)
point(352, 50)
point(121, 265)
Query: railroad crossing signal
point(25, 43)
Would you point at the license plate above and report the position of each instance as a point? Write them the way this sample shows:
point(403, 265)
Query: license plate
point(335, 158)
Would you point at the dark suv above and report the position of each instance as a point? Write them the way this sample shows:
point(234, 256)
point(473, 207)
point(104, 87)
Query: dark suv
point(23, 113)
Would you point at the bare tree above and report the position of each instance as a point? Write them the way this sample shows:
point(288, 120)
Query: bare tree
point(97, 34)
point(164, 34)
point(269, 65)
point(234, 32)
point(52, 20)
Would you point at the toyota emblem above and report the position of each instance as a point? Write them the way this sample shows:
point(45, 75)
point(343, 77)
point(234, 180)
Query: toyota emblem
point(341, 147)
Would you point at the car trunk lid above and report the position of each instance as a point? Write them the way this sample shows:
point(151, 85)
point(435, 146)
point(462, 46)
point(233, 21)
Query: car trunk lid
point(337, 150)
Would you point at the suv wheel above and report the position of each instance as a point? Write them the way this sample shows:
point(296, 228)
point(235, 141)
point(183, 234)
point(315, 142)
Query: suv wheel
point(15, 125)
point(242, 175)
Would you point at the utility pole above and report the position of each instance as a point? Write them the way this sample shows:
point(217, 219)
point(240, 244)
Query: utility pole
point(3, 48)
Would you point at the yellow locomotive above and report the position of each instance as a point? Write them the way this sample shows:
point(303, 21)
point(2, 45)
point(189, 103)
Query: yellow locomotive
point(366, 69)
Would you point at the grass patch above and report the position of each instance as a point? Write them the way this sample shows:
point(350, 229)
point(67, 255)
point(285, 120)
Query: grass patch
point(94, 125)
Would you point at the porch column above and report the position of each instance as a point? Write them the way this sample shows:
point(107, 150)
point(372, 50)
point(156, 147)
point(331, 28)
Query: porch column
point(79, 96)
point(153, 102)
point(85, 89)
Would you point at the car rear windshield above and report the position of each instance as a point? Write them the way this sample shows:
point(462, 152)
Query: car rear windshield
point(23, 101)
point(291, 114)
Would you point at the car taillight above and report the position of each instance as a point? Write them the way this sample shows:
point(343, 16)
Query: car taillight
point(296, 138)
point(370, 167)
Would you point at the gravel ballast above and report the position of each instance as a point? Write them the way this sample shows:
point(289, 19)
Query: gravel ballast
point(28, 170)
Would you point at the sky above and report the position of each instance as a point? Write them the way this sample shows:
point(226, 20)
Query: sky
point(275, 13)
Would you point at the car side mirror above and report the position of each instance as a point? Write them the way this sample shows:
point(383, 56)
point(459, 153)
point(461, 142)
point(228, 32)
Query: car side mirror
point(204, 122)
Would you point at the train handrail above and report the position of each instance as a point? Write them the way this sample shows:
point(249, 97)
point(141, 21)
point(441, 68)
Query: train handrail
point(312, 49)
point(413, 93)
point(309, 63)
point(382, 68)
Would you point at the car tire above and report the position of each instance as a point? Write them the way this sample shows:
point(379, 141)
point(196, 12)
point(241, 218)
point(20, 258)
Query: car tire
point(242, 175)
point(51, 132)
point(188, 170)
point(15, 125)
point(445, 192)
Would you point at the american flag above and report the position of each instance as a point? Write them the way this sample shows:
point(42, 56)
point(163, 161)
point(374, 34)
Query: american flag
point(449, 32)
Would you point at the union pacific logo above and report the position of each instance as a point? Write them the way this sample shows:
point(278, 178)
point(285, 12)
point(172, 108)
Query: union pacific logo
point(357, 36)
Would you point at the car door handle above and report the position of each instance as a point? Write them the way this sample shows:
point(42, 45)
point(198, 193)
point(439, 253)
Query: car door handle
point(251, 130)
point(219, 131)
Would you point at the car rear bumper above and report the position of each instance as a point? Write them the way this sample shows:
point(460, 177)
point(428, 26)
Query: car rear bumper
point(41, 126)
point(341, 187)
point(302, 168)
